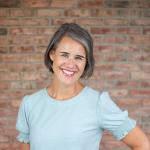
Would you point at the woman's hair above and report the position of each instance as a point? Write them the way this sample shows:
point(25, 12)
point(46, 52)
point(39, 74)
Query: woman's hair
point(78, 34)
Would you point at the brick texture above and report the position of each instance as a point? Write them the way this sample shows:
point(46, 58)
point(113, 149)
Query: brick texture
point(121, 33)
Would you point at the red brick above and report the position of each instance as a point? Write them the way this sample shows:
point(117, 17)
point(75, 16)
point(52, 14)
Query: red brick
point(21, 49)
point(21, 58)
point(15, 103)
point(34, 76)
point(36, 3)
point(3, 104)
point(146, 31)
point(117, 57)
point(23, 31)
point(104, 12)
point(145, 49)
point(10, 3)
point(14, 94)
point(3, 138)
point(99, 58)
point(49, 12)
point(126, 48)
point(62, 4)
point(33, 40)
point(126, 84)
point(146, 4)
point(114, 39)
point(41, 49)
point(146, 13)
point(118, 92)
point(90, 21)
point(140, 22)
point(136, 4)
point(145, 84)
point(90, 4)
point(128, 30)
point(14, 39)
point(23, 85)
point(140, 40)
point(3, 31)
point(144, 111)
point(18, 12)
point(46, 31)
point(145, 67)
point(140, 75)
point(129, 102)
point(116, 22)
point(137, 13)
point(4, 12)
point(127, 67)
point(3, 50)
point(10, 76)
point(3, 41)
point(146, 102)
point(31, 31)
point(140, 57)
point(22, 67)
point(116, 75)
point(34, 22)
point(4, 85)
point(117, 4)
point(97, 39)
point(98, 85)
point(5, 146)
point(140, 92)
point(60, 21)
point(42, 40)
point(104, 48)
point(102, 30)
point(145, 128)
point(104, 67)
point(8, 22)
point(77, 13)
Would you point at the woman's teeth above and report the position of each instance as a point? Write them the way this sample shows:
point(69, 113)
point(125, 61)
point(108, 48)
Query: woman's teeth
point(66, 72)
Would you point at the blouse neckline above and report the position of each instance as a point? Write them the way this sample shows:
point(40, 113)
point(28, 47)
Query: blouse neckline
point(70, 100)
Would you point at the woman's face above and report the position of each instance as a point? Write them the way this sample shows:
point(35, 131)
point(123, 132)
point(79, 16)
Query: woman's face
point(69, 60)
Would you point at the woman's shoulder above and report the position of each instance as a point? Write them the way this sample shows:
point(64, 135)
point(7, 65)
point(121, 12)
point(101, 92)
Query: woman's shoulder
point(34, 97)
point(96, 92)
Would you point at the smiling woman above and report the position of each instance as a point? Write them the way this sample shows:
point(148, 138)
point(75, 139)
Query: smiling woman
point(68, 115)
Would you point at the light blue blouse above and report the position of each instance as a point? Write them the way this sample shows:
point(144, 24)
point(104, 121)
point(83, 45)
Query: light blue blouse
point(74, 124)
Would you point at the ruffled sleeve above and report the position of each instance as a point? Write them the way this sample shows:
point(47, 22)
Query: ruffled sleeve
point(22, 124)
point(112, 118)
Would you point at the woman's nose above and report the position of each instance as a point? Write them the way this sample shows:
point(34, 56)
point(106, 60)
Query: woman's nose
point(71, 63)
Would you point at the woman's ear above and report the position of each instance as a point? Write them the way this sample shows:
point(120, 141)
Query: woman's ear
point(51, 54)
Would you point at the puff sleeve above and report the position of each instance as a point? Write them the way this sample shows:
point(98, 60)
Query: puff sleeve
point(112, 118)
point(22, 124)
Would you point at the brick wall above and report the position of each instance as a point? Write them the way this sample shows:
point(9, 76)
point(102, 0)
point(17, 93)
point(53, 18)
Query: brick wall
point(121, 33)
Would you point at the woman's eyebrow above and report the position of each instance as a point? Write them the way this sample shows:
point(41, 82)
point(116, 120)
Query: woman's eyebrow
point(64, 52)
point(80, 56)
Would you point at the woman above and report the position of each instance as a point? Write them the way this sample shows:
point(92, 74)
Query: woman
point(68, 115)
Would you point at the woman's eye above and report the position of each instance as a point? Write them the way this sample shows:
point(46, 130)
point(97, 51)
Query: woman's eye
point(64, 55)
point(79, 58)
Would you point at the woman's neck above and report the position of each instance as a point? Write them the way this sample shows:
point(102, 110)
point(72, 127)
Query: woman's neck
point(63, 92)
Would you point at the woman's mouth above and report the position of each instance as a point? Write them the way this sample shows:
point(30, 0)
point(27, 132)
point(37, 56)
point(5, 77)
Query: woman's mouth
point(68, 73)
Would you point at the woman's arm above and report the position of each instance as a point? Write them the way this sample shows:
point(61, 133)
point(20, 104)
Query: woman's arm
point(24, 146)
point(137, 140)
